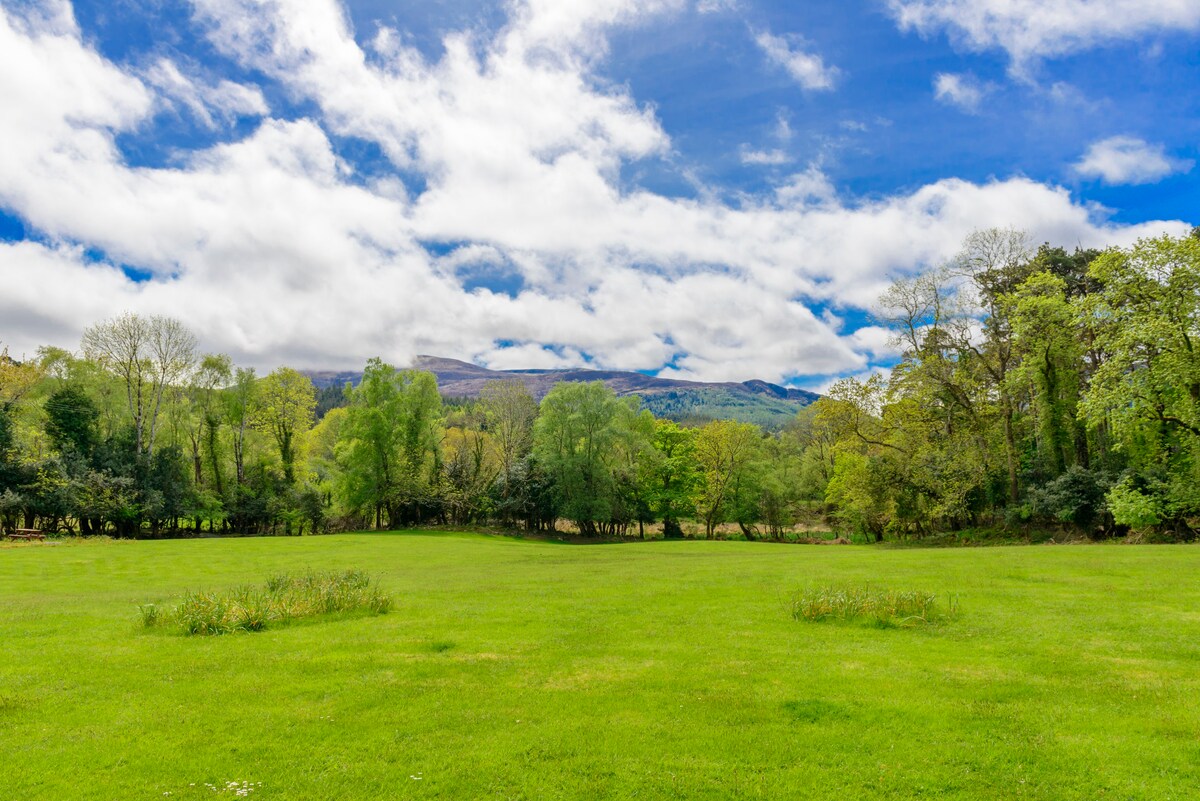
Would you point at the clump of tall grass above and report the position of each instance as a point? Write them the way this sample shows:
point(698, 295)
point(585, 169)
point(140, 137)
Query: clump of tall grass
point(150, 614)
point(872, 605)
point(282, 599)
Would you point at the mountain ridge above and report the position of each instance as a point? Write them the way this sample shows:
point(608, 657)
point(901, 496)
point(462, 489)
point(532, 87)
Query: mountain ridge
point(754, 401)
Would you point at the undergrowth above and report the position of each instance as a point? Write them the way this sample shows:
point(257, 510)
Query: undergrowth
point(872, 605)
point(282, 599)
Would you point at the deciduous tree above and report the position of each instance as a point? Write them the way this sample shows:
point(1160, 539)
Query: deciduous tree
point(283, 406)
point(149, 355)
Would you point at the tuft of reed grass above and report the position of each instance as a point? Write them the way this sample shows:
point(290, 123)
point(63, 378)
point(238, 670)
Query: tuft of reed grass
point(872, 605)
point(150, 615)
point(283, 598)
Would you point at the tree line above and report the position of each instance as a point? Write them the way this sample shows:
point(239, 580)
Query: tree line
point(140, 435)
point(1033, 388)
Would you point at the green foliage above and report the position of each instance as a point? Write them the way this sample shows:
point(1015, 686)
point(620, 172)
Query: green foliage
point(727, 453)
point(859, 492)
point(330, 398)
point(1146, 320)
point(673, 475)
point(388, 444)
point(1077, 497)
point(1132, 507)
point(282, 406)
point(699, 406)
point(582, 439)
point(1045, 335)
point(72, 421)
point(1026, 380)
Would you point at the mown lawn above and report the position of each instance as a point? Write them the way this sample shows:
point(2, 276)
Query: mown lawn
point(511, 669)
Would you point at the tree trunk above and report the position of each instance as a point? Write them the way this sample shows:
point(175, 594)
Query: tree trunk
point(671, 529)
point(1010, 450)
point(239, 445)
point(211, 430)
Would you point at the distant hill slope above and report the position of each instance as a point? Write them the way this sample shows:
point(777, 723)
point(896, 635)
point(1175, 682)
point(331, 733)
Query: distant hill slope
point(768, 405)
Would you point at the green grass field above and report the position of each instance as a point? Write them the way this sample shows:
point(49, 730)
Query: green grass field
point(517, 669)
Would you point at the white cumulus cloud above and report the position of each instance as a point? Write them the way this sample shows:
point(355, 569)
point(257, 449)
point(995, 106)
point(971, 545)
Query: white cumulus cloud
point(275, 251)
point(1031, 29)
point(1128, 160)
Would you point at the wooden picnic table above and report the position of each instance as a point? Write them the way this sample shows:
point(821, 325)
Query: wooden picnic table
point(26, 534)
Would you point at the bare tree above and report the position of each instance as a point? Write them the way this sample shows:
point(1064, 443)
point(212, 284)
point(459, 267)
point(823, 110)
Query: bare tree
point(510, 411)
point(149, 354)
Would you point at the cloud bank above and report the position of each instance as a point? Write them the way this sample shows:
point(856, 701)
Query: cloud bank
point(500, 229)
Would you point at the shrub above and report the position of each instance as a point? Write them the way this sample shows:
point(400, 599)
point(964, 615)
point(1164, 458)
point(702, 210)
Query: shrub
point(872, 605)
point(282, 599)
point(1075, 498)
point(1133, 508)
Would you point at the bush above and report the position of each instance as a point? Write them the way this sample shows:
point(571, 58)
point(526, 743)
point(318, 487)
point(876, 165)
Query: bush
point(1074, 498)
point(1133, 508)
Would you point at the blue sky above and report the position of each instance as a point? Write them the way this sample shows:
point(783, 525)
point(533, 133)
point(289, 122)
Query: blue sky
point(715, 189)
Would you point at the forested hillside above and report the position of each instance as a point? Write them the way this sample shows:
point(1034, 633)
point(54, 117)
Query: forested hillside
point(764, 404)
point(1036, 389)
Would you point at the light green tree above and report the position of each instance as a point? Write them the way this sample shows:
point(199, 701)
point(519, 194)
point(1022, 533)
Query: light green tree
point(213, 373)
point(1046, 340)
point(388, 443)
point(726, 452)
point(1147, 319)
point(674, 475)
point(282, 406)
point(575, 440)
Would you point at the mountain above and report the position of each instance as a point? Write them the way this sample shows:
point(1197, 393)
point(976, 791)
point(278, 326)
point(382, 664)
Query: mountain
point(768, 405)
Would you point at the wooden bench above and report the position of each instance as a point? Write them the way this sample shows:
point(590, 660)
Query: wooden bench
point(26, 534)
